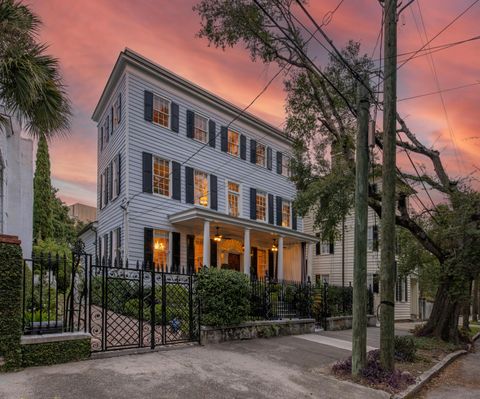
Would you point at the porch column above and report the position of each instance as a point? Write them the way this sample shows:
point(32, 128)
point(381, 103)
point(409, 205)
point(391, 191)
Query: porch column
point(246, 252)
point(206, 243)
point(309, 261)
point(280, 258)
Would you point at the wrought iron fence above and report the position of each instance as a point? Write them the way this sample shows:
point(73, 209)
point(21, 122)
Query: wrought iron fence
point(273, 299)
point(55, 293)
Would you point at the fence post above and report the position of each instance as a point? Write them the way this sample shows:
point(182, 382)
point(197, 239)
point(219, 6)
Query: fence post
point(325, 304)
point(152, 308)
point(10, 301)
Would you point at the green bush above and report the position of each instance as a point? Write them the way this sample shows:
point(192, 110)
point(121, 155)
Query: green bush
point(224, 296)
point(405, 350)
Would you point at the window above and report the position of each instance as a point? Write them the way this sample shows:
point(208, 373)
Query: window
point(102, 190)
point(401, 289)
point(115, 178)
point(116, 247)
point(233, 143)
point(372, 238)
point(161, 176)
point(117, 112)
point(286, 208)
point(261, 156)
point(322, 279)
point(286, 166)
point(160, 249)
point(261, 263)
point(198, 253)
point(101, 138)
point(233, 199)
point(326, 248)
point(105, 248)
point(106, 130)
point(261, 205)
point(200, 128)
point(161, 111)
point(201, 188)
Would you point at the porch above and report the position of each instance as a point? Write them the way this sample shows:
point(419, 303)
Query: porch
point(252, 247)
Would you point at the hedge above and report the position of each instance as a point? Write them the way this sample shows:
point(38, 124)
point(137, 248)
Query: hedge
point(55, 352)
point(10, 304)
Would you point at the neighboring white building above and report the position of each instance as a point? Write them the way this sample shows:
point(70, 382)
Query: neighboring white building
point(88, 235)
point(16, 184)
point(333, 262)
point(175, 173)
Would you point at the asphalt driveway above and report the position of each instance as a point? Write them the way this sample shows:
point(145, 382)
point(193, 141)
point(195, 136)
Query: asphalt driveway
point(285, 367)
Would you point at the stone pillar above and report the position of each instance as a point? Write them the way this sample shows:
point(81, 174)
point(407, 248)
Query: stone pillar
point(246, 252)
point(206, 243)
point(280, 258)
point(310, 261)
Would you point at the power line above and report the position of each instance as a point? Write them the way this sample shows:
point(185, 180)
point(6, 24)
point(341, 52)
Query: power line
point(439, 91)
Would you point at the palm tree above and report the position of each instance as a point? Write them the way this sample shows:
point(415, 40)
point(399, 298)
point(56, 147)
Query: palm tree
point(30, 84)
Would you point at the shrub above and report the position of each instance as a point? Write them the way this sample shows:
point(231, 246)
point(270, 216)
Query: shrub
point(224, 296)
point(405, 350)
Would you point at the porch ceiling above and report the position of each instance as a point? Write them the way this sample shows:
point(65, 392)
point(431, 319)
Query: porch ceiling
point(233, 227)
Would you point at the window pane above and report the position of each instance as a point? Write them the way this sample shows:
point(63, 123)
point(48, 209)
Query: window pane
point(233, 143)
point(161, 176)
point(233, 199)
point(200, 131)
point(261, 262)
point(160, 249)
point(161, 111)
point(285, 166)
point(261, 201)
point(260, 151)
point(286, 213)
point(201, 188)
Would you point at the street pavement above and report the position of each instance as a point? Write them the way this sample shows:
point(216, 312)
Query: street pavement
point(280, 368)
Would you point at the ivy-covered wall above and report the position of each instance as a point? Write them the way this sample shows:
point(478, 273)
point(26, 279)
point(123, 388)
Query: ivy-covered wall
point(43, 354)
point(10, 301)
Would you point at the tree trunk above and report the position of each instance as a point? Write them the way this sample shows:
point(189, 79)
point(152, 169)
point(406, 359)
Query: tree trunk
point(466, 308)
point(475, 300)
point(443, 321)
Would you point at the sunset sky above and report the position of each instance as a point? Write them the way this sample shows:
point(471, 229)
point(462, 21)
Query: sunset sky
point(88, 35)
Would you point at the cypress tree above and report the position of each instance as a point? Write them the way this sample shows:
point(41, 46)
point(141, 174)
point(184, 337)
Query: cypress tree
point(42, 193)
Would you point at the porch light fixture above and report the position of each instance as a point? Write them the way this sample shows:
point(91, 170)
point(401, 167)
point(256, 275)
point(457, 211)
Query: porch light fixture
point(217, 237)
point(274, 246)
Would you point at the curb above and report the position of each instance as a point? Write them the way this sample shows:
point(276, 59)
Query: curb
point(429, 374)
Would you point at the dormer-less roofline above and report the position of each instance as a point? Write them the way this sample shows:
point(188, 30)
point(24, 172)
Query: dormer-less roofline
point(132, 58)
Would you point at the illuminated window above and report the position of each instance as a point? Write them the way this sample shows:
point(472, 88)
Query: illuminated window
point(200, 130)
point(286, 166)
point(261, 205)
point(286, 207)
point(233, 143)
point(161, 176)
point(161, 111)
point(261, 156)
point(261, 262)
point(160, 249)
point(201, 188)
point(198, 251)
point(233, 199)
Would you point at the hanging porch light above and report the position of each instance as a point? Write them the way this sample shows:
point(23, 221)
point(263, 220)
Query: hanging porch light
point(217, 237)
point(274, 246)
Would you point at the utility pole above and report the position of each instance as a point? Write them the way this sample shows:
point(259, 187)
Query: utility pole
point(387, 232)
point(359, 331)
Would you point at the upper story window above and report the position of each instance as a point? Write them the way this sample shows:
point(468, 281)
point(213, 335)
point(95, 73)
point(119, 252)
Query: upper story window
point(233, 199)
point(161, 176)
point(286, 213)
point(261, 155)
point(117, 112)
point(115, 175)
point(233, 143)
point(102, 190)
point(261, 206)
point(372, 238)
point(200, 128)
point(200, 188)
point(161, 111)
point(286, 166)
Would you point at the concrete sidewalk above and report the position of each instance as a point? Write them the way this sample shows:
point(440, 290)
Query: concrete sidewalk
point(280, 368)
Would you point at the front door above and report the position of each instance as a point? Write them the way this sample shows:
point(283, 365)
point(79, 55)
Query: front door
point(234, 262)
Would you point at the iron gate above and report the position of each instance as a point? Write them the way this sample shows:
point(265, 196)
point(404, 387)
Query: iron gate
point(136, 308)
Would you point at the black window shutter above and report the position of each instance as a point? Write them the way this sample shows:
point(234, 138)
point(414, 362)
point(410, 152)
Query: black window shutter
point(224, 138)
point(279, 162)
point(111, 119)
point(105, 191)
point(253, 151)
point(119, 173)
point(294, 219)
point(148, 106)
point(254, 263)
point(212, 135)
point(253, 203)
point(332, 247)
point(175, 117)
point(317, 245)
point(101, 138)
point(375, 238)
point(147, 172)
point(405, 280)
point(110, 182)
point(279, 211)
point(190, 123)
point(271, 209)
point(99, 259)
point(213, 253)
point(243, 147)
point(269, 158)
point(107, 128)
point(176, 181)
point(190, 253)
point(213, 192)
point(110, 252)
point(119, 107)
point(101, 191)
point(189, 185)
point(175, 251)
point(148, 247)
